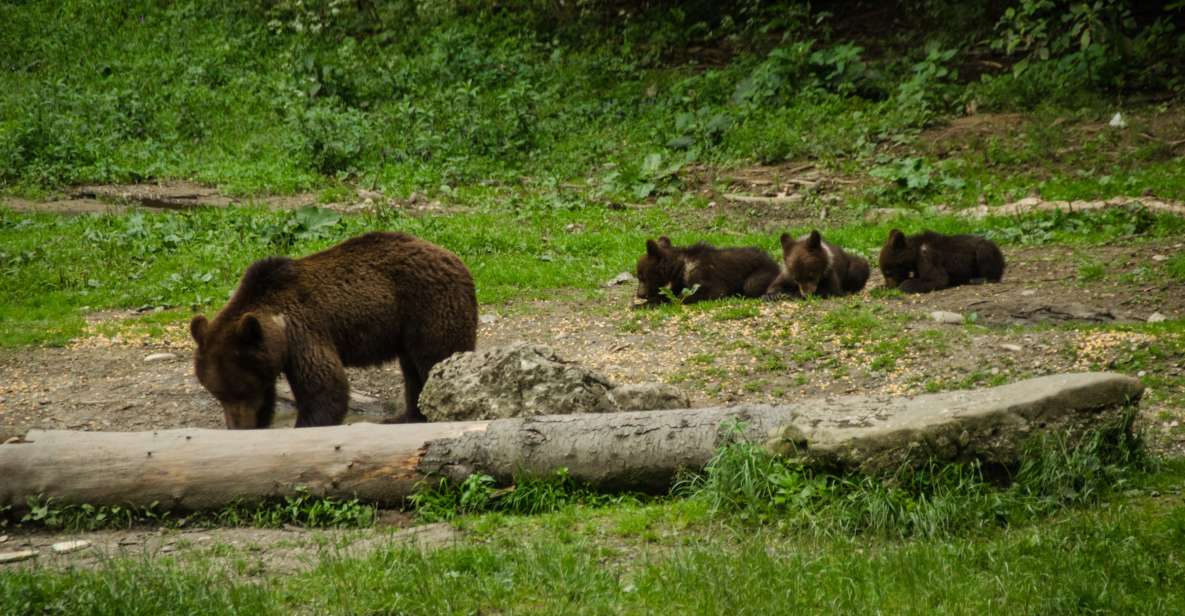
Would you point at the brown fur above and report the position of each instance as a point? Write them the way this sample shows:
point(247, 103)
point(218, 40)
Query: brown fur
point(930, 261)
point(367, 300)
point(719, 272)
point(816, 267)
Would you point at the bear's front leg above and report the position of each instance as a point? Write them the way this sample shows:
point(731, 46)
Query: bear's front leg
point(758, 283)
point(931, 277)
point(780, 288)
point(320, 387)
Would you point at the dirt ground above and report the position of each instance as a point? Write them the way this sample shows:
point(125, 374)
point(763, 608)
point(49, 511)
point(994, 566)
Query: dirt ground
point(116, 383)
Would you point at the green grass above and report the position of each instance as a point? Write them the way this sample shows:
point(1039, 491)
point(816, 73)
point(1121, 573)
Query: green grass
point(301, 509)
point(191, 261)
point(1118, 556)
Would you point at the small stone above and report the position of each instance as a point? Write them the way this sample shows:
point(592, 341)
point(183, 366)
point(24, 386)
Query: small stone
point(487, 319)
point(1159, 258)
point(155, 357)
point(943, 316)
point(3, 538)
point(13, 557)
point(1028, 292)
point(1142, 373)
point(620, 279)
point(1156, 317)
point(44, 401)
point(1117, 121)
point(1015, 348)
point(167, 549)
point(370, 195)
point(65, 547)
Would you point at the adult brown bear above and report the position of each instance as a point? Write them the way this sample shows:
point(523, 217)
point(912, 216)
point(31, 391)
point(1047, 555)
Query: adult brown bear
point(367, 300)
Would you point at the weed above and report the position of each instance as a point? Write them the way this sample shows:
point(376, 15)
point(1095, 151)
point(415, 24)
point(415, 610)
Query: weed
point(746, 481)
point(1175, 267)
point(300, 509)
point(1090, 270)
point(529, 495)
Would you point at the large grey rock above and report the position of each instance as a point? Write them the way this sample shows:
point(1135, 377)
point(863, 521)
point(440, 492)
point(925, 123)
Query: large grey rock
point(517, 380)
point(879, 434)
point(649, 397)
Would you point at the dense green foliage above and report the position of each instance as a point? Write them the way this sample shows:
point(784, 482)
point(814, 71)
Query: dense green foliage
point(283, 96)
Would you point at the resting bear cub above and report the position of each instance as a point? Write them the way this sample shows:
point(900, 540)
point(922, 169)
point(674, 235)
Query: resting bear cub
point(719, 272)
point(816, 267)
point(930, 261)
point(367, 300)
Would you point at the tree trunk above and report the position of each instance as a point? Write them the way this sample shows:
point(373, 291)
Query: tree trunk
point(191, 469)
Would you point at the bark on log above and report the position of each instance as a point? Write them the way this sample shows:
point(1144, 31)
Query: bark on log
point(192, 469)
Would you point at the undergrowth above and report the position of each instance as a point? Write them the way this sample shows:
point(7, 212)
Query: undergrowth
point(406, 96)
point(528, 495)
point(301, 509)
point(744, 481)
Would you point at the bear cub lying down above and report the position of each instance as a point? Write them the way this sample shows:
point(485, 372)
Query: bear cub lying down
point(367, 300)
point(930, 261)
point(816, 267)
point(718, 272)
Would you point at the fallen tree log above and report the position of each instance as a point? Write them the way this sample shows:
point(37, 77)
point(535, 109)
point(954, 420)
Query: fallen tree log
point(1029, 205)
point(191, 469)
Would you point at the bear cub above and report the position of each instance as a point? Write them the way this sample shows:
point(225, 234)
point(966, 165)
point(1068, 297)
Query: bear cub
point(817, 267)
point(718, 272)
point(370, 299)
point(930, 261)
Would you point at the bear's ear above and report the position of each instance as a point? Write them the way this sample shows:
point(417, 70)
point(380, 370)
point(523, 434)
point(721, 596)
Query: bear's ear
point(664, 242)
point(653, 249)
point(197, 328)
point(814, 240)
point(896, 238)
point(786, 241)
point(250, 330)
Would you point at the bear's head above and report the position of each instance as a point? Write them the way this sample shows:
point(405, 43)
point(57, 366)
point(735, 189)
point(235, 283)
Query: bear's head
point(657, 268)
point(898, 260)
point(238, 360)
point(807, 261)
